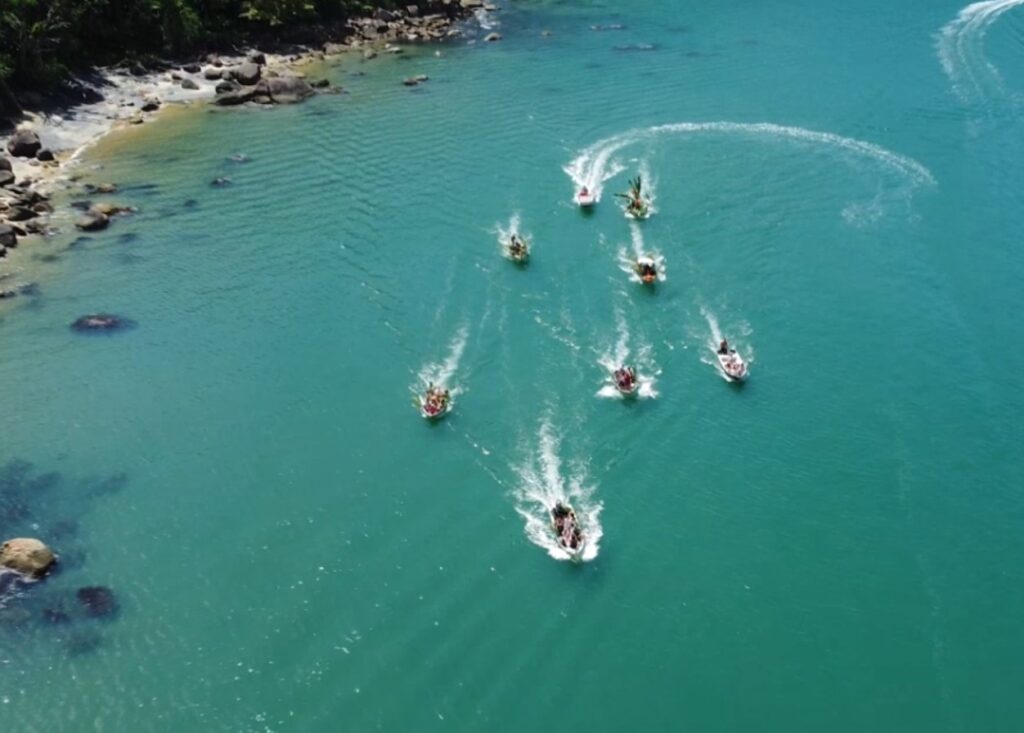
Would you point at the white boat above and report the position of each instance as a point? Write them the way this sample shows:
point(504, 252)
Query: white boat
point(435, 403)
point(585, 198)
point(625, 381)
point(646, 269)
point(732, 365)
point(568, 533)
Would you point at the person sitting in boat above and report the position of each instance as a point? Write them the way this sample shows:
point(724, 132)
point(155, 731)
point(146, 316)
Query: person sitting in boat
point(723, 348)
point(624, 377)
point(584, 191)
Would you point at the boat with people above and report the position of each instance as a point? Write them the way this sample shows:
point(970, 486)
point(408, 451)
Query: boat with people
point(625, 380)
point(436, 402)
point(517, 249)
point(568, 533)
point(732, 364)
point(585, 198)
point(638, 206)
point(646, 269)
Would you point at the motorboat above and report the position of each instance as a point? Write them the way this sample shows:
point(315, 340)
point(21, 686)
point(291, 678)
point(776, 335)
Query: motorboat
point(732, 364)
point(625, 381)
point(435, 403)
point(638, 206)
point(646, 269)
point(518, 249)
point(567, 530)
point(585, 198)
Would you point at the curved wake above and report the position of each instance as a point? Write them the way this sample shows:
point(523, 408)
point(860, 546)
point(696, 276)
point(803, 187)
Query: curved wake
point(596, 163)
point(542, 484)
point(960, 52)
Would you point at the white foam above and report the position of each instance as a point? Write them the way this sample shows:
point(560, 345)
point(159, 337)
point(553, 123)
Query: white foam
point(638, 248)
point(612, 359)
point(542, 484)
point(596, 164)
point(959, 48)
point(441, 374)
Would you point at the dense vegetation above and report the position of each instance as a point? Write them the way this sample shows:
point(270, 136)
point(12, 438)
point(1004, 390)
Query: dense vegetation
point(41, 40)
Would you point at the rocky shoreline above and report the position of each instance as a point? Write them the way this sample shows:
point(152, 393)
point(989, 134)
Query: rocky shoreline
point(36, 156)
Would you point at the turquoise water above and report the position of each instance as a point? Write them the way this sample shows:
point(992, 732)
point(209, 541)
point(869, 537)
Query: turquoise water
point(834, 545)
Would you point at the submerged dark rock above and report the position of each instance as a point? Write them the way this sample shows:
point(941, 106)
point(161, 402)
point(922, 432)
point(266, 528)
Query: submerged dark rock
point(220, 181)
point(93, 221)
point(83, 642)
point(98, 601)
point(7, 236)
point(101, 323)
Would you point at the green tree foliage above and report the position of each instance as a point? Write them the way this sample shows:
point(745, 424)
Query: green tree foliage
point(41, 39)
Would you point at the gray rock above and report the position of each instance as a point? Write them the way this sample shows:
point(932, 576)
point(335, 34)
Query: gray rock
point(7, 236)
point(471, 4)
point(246, 74)
point(189, 84)
point(150, 104)
point(211, 73)
point(320, 83)
point(214, 60)
point(5, 165)
point(6, 178)
point(192, 68)
point(413, 11)
point(24, 144)
point(18, 213)
point(369, 54)
point(285, 89)
point(256, 57)
point(93, 221)
point(226, 86)
point(335, 48)
point(238, 96)
point(491, 37)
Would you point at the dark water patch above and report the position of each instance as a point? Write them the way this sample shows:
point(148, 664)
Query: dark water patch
point(146, 189)
point(190, 204)
point(55, 617)
point(221, 182)
point(50, 257)
point(82, 204)
point(593, 65)
point(749, 42)
point(62, 529)
point(106, 486)
point(79, 241)
point(127, 237)
point(129, 258)
point(102, 323)
point(700, 54)
point(636, 47)
point(678, 29)
point(82, 641)
point(98, 601)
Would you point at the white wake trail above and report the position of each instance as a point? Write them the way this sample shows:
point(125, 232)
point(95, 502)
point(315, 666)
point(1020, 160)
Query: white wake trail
point(597, 163)
point(959, 45)
point(619, 355)
point(542, 484)
point(442, 373)
point(638, 247)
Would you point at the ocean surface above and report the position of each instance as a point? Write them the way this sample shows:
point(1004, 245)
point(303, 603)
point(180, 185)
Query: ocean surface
point(835, 545)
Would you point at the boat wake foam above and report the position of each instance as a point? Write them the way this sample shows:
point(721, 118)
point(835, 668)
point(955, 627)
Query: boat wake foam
point(646, 370)
point(504, 233)
point(597, 163)
point(441, 373)
point(959, 45)
point(542, 484)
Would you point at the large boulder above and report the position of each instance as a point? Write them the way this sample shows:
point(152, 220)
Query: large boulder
point(236, 96)
point(7, 236)
point(189, 84)
point(93, 221)
point(97, 601)
point(247, 73)
point(24, 144)
point(256, 57)
point(285, 89)
point(6, 178)
point(5, 165)
point(27, 555)
point(45, 155)
point(212, 72)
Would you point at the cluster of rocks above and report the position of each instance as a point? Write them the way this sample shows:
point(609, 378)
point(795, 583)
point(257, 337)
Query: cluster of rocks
point(23, 210)
point(429, 20)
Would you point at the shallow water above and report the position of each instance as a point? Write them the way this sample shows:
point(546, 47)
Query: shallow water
point(835, 544)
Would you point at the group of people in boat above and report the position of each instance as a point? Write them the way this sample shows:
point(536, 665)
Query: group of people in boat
point(567, 527)
point(435, 401)
point(625, 379)
point(518, 249)
point(646, 270)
